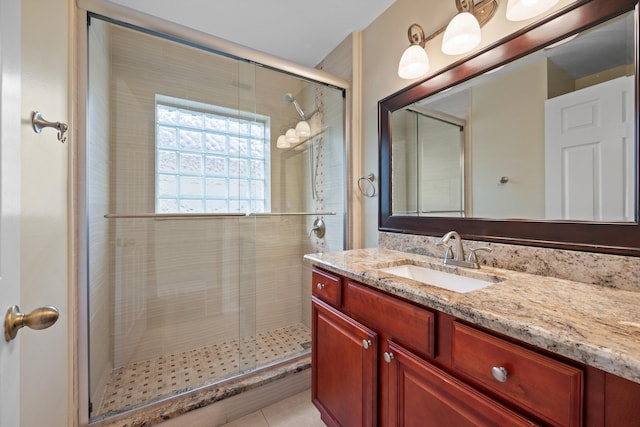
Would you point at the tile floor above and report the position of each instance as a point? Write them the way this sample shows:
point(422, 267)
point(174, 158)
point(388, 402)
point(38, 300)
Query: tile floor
point(149, 380)
point(295, 411)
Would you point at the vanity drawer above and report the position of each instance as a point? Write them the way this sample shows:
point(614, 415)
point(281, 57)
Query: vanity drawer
point(405, 323)
point(327, 287)
point(542, 386)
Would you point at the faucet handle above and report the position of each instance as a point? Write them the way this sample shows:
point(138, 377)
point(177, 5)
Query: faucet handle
point(473, 258)
point(448, 252)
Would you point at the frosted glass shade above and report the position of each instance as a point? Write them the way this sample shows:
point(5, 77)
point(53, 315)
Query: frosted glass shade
point(291, 136)
point(282, 142)
point(521, 10)
point(414, 62)
point(302, 129)
point(462, 34)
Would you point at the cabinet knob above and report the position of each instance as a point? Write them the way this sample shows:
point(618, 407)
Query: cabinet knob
point(500, 374)
point(388, 357)
point(366, 344)
point(320, 286)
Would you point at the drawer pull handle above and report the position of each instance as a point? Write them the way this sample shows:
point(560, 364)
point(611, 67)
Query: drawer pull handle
point(320, 286)
point(388, 357)
point(366, 344)
point(500, 374)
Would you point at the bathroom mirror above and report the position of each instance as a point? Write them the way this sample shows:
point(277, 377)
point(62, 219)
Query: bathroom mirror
point(456, 153)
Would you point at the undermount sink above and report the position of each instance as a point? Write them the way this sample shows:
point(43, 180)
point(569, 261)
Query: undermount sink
point(441, 279)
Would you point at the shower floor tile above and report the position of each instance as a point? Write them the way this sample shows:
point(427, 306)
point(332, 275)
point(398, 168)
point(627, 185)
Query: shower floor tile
point(142, 382)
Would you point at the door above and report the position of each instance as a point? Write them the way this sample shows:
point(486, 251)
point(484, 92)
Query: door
point(344, 368)
point(35, 368)
point(9, 204)
point(587, 132)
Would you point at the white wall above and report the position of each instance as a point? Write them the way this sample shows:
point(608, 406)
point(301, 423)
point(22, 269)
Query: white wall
point(46, 363)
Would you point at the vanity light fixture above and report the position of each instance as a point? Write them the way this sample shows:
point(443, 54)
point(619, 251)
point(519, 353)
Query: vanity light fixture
point(302, 129)
point(462, 34)
point(291, 137)
point(281, 142)
point(521, 10)
point(414, 62)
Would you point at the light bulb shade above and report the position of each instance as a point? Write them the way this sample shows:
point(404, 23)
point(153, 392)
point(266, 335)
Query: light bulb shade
point(291, 136)
point(302, 129)
point(521, 10)
point(282, 142)
point(414, 62)
point(462, 34)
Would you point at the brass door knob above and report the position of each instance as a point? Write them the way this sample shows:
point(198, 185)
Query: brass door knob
point(40, 318)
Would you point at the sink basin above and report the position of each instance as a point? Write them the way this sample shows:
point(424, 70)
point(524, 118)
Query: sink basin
point(441, 279)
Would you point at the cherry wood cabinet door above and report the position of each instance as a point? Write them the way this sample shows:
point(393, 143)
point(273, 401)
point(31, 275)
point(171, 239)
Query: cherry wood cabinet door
point(344, 368)
point(421, 395)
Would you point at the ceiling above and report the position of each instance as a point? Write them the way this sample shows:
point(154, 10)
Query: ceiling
point(301, 31)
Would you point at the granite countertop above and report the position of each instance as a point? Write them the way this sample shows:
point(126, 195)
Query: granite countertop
point(591, 324)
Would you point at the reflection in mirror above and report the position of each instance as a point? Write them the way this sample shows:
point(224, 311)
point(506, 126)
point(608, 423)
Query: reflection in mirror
point(427, 159)
point(547, 137)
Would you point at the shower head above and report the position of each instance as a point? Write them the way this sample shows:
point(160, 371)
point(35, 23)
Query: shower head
point(290, 99)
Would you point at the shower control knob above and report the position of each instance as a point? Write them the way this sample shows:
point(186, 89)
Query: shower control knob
point(500, 374)
point(320, 286)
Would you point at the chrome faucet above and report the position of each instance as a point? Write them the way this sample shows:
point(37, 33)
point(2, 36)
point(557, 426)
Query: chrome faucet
point(458, 254)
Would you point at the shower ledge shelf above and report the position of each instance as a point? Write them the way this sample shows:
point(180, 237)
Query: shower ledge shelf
point(211, 215)
point(299, 145)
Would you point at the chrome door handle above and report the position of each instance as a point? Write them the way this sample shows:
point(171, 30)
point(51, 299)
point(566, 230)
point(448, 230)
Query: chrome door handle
point(40, 318)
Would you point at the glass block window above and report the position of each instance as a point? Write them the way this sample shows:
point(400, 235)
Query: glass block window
point(210, 160)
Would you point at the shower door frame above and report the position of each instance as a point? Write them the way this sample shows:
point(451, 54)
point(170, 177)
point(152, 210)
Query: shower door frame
point(79, 220)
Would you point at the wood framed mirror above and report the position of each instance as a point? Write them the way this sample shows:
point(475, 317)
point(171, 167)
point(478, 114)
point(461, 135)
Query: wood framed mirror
point(604, 234)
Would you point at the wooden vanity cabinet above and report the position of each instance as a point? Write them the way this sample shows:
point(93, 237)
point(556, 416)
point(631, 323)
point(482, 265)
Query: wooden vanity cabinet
point(378, 360)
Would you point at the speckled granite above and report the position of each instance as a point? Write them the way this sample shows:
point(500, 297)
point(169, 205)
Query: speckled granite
point(596, 325)
point(613, 271)
point(173, 407)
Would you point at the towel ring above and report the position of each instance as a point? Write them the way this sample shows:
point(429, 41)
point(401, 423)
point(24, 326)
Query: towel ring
point(371, 190)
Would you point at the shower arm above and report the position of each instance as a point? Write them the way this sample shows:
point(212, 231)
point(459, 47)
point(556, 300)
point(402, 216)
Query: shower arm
point(305, 117)
point(290, 99)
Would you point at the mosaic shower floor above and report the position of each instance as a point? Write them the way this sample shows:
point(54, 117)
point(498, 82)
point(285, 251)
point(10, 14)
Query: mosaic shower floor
point(149, 380)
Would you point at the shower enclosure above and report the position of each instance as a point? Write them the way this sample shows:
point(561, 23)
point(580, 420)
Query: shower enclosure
point(197, 219)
